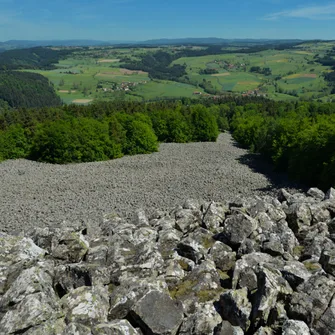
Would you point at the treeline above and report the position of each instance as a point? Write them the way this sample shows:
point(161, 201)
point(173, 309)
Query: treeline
point(298, 139)
point(99, 132)
point(32, 58)
point(328, 60)
point(266, 70)
point(24, 89)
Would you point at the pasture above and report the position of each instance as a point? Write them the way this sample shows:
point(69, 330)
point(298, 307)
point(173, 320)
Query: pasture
point(99, 74)
point(166, 89)
point(292, 73)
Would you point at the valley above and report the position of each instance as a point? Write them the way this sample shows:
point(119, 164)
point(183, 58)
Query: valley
point(100, 73)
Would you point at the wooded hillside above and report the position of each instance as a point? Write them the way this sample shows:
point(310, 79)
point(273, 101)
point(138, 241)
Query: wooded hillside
point(32, 58)
point(24, 89)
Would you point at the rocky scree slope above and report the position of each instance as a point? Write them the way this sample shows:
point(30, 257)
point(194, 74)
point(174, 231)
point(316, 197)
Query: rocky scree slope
point(38, 194)
point(245, 266)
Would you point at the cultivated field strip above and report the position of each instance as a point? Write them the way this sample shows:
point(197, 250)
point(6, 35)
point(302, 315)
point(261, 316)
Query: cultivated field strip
point(41, 194)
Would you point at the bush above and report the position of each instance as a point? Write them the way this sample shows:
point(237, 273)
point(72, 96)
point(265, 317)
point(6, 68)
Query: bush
point(140, 138)
point(171, 126)
point(76, 140)
point(204, 124)
point(13, 143)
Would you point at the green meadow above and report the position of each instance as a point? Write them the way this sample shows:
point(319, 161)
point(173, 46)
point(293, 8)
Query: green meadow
point(98, 74)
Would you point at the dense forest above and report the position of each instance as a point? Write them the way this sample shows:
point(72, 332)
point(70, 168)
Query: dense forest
point(24, 89)
point(298, 137)
point(158, 66)
point(100, 132)
point(32, 58)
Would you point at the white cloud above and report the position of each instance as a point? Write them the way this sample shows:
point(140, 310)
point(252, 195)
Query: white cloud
point(326, 12)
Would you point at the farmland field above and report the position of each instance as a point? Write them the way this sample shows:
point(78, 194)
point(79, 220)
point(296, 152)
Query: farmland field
point(100, 74)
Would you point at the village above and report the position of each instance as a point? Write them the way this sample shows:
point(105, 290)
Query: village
point(123, 86)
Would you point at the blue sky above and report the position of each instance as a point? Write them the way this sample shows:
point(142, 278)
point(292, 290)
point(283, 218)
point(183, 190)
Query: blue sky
point(150, 19)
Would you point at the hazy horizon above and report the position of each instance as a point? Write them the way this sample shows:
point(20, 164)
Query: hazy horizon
point(140, 20)
point(149, 39)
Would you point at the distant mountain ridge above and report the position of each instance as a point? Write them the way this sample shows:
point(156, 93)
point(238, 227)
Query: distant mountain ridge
point(18, 44)
point(213, 40)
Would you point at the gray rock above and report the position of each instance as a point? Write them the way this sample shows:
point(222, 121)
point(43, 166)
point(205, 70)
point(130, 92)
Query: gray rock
point(138, 258)
point(199, 286)
point(157, 313)
point(248, 246)
point(264, 331)
point(295, 273)
point(192, 204)
point(248, 261)
point(223, 256)
point(124, 296)
point(236, 308)
point(316, 193)
point(30, 281)
point(72, 276)
point(273, 246)
point(115, 327)
point(187, 220)
point(167, 241)
point(110, 222)
point(314, 247)
point(170, 275)
point(192, 250)
point(327, 260)
point(76, 329)
point(312, 299)
point(319, 213)
point(140, 218)
point(271, 287)
point(331, 229)
point(15, 249)
point(97, 255)
point(299, 217)
point(237, 228)
point(173, 272)
point(86, 305)
point(326, 324)
point(295, 327)
point(204, 320)
point(69, 246)
point(31, 311)
point(50, 327)
point(248, 279)
point(330, 194)
point(214, 216)
point(227, 329)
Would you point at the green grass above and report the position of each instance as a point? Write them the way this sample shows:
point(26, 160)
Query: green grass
point(282, 64)
point(161, 89)
point(289, 74)
point(86, 74)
